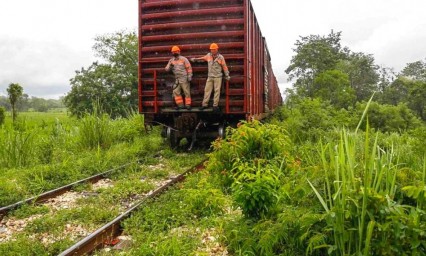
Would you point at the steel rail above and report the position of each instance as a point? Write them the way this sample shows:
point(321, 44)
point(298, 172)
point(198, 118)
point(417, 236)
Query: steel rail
point(61, 190)
point(113, 229)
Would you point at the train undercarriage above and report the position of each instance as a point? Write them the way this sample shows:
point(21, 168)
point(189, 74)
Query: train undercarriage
point(196, 126)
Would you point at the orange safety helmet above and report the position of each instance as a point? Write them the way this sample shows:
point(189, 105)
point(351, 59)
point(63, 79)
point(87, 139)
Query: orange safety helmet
point(175, 49)
point(214, 46)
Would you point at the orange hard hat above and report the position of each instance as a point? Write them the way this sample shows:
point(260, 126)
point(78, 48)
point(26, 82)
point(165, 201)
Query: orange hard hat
point(175, 49)
point(214, 46)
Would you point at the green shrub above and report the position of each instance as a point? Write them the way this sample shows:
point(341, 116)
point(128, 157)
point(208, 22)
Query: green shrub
point(388, 118)
point(2, 115)
point(310, 119)
point(255, 188)
point(203, 198)
point(251, 162)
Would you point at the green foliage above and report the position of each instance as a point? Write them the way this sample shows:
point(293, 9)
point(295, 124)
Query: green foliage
point(255, 188)
point(310, 119)
point(23, 246)
point(415, 70)
point(16, 148)
point(127, 188)
point(113, 84)
point(203, 198)
point(333, 86)
point(388, 118)
point(396, 92)
point(96, 131)
point(15, 92)
point(362, 72)
point(173, 223)
point(314, 55)
point(409, 88)
point(360, 200)
point(2, 115)
point(247, 163)
point(250, 141)
point(26, 211)
point(416, 100)
point(44, 151)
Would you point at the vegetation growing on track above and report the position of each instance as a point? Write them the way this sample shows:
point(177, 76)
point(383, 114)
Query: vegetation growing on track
point(38, 155)
point(55, 230)
point(341, 191)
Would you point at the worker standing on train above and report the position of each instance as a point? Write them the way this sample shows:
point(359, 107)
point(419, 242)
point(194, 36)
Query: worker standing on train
point(216, 68)
point(182, 70)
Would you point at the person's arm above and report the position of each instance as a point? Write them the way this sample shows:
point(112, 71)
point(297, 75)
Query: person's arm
point(225, 69)
point(201, 59)
point(188, 69)
point(169, 65)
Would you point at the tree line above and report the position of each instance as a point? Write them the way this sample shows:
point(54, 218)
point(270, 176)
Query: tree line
point(17, 101)
point(322, 68)
point(32, 103)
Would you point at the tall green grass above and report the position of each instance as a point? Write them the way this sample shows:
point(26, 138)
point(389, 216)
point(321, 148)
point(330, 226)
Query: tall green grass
point(38, 154)
point(96, 131)
point(17, 148)
point(366, 210)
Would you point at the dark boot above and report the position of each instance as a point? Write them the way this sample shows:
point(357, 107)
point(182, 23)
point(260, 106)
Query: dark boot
point(216, 109)
point(202, 107)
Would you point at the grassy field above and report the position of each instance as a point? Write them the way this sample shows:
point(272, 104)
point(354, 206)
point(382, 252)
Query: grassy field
point(42, 151)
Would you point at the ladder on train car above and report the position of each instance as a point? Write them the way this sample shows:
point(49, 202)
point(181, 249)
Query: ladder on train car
point(153, 95)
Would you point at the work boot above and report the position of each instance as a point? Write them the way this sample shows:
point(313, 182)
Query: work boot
point(179, 107)
point(216, 109)
point(202, 107)
point(188, 107)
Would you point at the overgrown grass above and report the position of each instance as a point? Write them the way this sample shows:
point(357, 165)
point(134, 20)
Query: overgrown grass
point(343, 193)
point(101, 206)
point(38, 154)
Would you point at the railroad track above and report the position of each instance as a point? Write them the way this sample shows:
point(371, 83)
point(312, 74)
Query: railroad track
point(113, 229)
point(61, 190)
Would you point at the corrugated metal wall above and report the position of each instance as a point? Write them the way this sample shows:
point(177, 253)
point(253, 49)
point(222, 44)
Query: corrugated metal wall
point(193, 26)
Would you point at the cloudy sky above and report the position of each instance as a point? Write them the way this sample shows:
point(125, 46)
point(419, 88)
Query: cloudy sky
point(43, 42)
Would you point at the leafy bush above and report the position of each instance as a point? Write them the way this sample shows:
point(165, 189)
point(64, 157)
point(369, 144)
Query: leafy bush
point(250, 162)
point(310, 119)
point(388, 118)
point(255, 188)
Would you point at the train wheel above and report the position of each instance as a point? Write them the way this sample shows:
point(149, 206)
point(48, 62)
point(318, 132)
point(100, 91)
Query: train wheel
point(222, 131)
point(173, 138)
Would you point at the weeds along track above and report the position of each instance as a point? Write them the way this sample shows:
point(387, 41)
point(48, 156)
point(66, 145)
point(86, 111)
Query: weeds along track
point(65, 215)
point(61, 190)
point(109, 233)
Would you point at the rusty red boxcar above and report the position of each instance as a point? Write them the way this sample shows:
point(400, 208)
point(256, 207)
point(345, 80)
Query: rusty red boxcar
point(193, 25)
